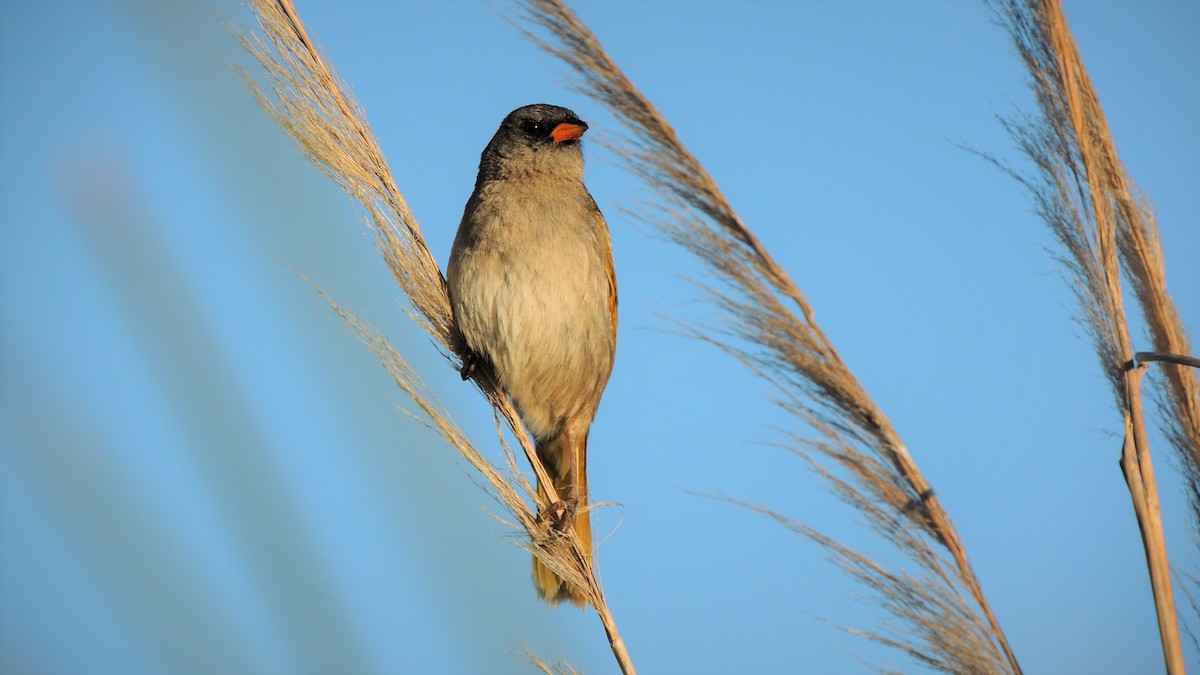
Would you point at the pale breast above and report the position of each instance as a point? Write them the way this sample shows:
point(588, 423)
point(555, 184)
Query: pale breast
point(530, 287)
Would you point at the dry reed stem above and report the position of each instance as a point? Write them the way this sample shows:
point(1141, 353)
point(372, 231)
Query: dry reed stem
point(777, 336)
point(1085, 196)
point(312, 105)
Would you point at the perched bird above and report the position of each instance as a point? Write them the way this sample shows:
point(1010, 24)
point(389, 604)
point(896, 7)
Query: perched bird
point(534, 293)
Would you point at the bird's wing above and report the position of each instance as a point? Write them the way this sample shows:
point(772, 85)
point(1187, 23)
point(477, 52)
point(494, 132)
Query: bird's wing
point(610, 268)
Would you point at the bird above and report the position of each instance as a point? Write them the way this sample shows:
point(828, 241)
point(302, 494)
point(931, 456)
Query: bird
point(533, 291)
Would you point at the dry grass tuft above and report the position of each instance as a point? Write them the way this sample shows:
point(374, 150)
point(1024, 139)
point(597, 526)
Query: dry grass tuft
point(546, 666)
point(1086, 197)
point(309, 101)
point(770, 328)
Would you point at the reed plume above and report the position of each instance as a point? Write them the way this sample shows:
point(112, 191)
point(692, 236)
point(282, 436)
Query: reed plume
point(546, 666)
point(769, 327)
point(308, 100)
point(1082, 191)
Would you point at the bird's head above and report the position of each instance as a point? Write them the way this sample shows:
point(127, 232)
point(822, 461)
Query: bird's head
point(536, 138)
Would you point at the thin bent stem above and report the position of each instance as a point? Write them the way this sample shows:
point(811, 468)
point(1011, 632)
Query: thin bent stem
point(1163, 357)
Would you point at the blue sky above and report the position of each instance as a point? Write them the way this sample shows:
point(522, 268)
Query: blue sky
point(201, 470)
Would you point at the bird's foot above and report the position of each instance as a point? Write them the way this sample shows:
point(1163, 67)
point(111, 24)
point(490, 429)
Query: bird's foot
point(560, 514)
point(470, 361)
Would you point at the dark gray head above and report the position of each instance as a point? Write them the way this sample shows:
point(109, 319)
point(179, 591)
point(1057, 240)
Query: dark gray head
point(533, 139)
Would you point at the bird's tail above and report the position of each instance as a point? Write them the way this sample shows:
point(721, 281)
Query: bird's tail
point(558, 456)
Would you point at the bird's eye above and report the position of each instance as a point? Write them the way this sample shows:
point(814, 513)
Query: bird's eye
point(534, 128)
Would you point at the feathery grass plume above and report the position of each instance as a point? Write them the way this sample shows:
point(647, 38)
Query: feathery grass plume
point(310, 102)
point(1084, 194)
point(770, 328)
point(546, 666)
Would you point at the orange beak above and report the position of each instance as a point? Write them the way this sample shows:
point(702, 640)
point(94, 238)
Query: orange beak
point(568, 132)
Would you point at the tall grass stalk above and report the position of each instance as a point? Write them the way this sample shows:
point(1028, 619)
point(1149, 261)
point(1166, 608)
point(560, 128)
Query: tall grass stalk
point(769, 327)
point(1084, 194)
point(309, 101)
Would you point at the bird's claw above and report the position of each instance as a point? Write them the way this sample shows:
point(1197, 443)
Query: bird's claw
point(470, 363)
point(560, 514)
